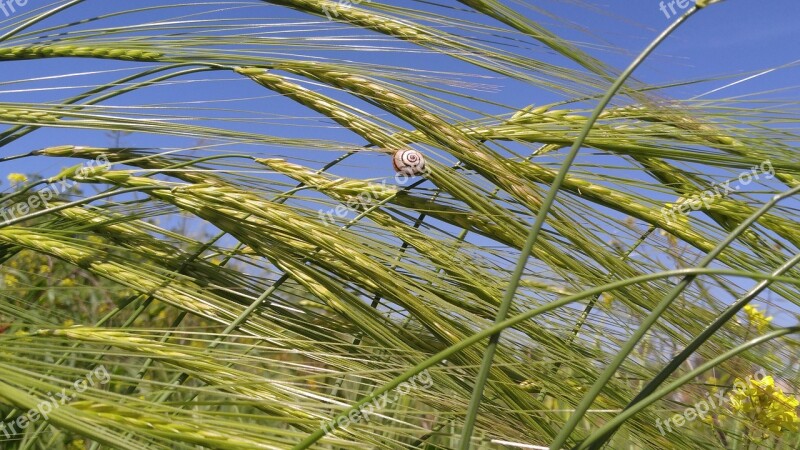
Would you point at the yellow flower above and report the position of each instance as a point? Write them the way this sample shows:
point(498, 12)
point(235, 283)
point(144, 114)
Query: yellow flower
point(757, 319)
point(16, 178)
point(765, 405)
point(10, 280)
point(712, 382)
point(77, 444)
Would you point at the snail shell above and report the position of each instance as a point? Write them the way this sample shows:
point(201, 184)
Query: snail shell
point(409, 162)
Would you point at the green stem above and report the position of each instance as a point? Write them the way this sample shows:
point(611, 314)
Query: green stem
point(18, 131)
point(82, 201)
point(654, 397)
point(38, 19)
point(699, 340)
point(652, 318)
point(494, 329)
point(589, 306)
point(483, 374)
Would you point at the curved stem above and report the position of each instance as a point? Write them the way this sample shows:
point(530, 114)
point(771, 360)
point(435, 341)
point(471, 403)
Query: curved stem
point(652, 318)
point(655, 396)
point(483, 374)
point(589, 306)
point(18, 131)
point(38, 19)
point(82, 201)
point(706, 334)
point(494, 329)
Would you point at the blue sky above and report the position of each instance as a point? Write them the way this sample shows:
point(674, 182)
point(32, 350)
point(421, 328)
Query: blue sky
point(724, 44)
point(733, 39)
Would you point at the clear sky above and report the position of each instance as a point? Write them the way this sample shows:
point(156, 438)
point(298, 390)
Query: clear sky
point(734, 40)
point(723, 45)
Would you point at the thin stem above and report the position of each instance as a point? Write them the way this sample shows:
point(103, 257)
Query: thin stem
point(19, 131)
point(654, 397)
point(494, 329)
point(706, 334)
point(652, 318)
point(589, 306)
point(38, 19)
point(483, 374)
point(82, 201)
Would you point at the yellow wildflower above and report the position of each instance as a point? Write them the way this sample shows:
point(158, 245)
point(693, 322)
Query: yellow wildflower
point(16, 178)
point(757, 319)
point(10, 280)
point(76, 444)
point(765, 405)
point(712, 382)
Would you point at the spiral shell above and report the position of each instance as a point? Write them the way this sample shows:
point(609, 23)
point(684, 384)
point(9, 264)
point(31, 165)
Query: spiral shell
point(409, 162)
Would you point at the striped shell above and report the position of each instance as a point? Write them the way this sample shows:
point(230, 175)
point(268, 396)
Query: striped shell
point(409, 162)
